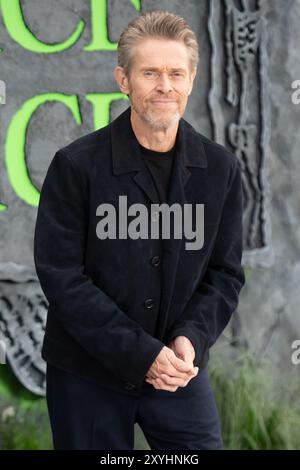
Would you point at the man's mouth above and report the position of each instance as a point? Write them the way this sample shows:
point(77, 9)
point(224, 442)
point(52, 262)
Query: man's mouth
point(163, 101)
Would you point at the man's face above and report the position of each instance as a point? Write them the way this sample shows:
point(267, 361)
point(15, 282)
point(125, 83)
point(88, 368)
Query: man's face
point(160, 82)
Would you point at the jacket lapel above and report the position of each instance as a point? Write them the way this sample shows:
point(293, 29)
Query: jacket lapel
point(126, 155)
point(144, 181)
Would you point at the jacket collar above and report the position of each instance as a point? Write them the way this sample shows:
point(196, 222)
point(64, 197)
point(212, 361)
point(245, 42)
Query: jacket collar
point(126, 152)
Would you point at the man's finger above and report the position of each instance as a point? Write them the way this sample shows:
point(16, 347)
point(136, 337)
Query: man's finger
point(181, 365)
point(159, 384)
point(168, 380)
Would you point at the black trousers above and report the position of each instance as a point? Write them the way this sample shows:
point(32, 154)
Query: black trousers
point(84, 415)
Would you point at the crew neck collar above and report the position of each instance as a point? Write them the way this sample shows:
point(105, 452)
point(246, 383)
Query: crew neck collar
point(156, 153)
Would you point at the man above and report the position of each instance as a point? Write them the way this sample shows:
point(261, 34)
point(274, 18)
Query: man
point(131, 318)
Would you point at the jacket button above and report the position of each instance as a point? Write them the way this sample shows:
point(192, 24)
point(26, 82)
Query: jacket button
point(149, 303)
point(129, 386)
point(155, 261)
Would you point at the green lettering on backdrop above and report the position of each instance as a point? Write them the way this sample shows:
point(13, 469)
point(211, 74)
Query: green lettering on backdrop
point(100, 41)
point(15, 157)
point(101, 106)
point(15, 147)
point(15, 24)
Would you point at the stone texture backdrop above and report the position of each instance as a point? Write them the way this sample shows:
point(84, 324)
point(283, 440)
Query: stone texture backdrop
point(249, 57)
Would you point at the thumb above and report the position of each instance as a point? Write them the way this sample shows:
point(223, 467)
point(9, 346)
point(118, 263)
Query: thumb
point(182, 365)
point(188, 359)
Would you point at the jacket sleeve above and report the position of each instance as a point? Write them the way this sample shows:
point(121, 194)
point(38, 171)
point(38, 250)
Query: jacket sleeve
point(90, 316)
point(216, 297)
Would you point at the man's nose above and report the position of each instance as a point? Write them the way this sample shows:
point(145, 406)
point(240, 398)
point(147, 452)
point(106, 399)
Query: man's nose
point(164, 82)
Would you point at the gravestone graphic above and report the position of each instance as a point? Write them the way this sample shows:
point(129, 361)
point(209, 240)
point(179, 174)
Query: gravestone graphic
point(239, 110)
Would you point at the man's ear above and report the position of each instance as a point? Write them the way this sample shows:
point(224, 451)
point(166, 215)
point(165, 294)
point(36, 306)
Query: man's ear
point(121, 79)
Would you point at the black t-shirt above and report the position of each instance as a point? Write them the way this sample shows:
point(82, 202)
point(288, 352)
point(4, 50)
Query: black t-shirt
point(160, 166)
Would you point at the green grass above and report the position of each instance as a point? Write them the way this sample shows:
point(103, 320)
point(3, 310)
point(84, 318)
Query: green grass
point(27, 429)
point(256, 411)
point(26, 425)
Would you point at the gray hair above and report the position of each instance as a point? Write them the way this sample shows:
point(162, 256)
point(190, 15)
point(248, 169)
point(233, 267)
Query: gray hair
point(156, 24)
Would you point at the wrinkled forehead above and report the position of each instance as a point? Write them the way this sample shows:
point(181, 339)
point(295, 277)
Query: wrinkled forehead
point(160, 53)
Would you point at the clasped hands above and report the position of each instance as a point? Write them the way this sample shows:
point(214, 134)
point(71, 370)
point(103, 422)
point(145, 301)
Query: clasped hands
point(173, 367)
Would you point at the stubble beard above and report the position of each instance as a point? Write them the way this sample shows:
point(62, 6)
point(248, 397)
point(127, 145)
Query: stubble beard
point(155, 121)
point(158, 122)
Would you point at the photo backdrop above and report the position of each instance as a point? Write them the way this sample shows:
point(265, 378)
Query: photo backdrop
point(56, 84)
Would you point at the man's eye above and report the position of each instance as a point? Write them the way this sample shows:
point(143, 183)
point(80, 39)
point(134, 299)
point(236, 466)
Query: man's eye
point(150, 73)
